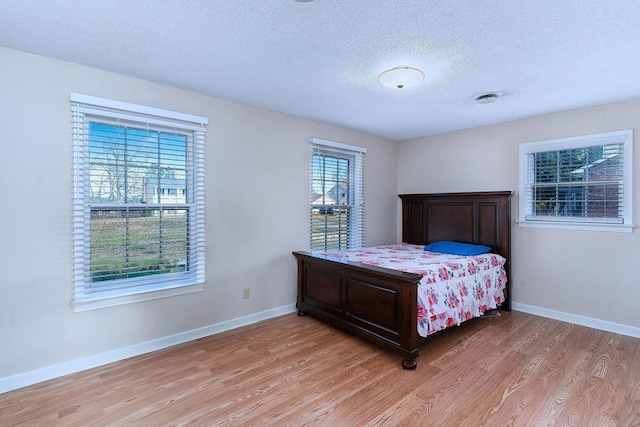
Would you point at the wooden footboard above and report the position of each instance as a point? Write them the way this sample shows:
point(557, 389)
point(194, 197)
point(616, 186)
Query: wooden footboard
point(377, 304)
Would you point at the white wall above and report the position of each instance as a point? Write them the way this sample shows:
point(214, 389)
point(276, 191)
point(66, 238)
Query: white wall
point(253, 156)
point(584, 273)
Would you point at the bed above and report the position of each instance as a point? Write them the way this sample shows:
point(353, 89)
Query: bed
point(380, 304)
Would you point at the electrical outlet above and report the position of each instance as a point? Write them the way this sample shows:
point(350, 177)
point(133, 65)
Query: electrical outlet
point(245, 293)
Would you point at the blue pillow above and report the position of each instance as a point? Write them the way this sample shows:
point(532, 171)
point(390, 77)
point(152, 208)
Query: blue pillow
point(457, 248)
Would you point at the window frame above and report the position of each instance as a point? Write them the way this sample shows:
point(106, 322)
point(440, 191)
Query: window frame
point(87, 109)
point(623, 137)
point(355, 210)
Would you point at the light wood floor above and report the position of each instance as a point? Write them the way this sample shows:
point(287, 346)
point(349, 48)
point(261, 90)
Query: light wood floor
point(517, 369)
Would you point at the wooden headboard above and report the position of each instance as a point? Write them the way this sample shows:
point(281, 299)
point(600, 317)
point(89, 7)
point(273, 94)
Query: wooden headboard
point(482, 218)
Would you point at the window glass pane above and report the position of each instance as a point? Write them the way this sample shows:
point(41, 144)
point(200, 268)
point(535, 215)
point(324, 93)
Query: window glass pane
point(331, 200)
point(131, 165)
point(106, 157)
point(142, 148)
point(546, 166)
point(135, 184)
point(581, 182)
point(604, 201)
point(329, 229)
point(137, 242)
point(545, 201)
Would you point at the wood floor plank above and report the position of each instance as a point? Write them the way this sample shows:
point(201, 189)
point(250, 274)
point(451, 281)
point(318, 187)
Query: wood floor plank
point(398, 412)
point(284, 403)
point(631, 408)
point(516, 369)
point(531, 386)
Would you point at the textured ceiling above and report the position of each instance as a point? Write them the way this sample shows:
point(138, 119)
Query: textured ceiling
point(320, 59)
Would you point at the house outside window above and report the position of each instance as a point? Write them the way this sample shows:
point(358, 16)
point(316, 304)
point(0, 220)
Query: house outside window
point(138, 202)
point(580, 182)
point(336, 196)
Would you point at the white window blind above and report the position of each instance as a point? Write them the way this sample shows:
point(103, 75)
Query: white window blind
point(580, 180)
point(336, 196)
point(138, 202)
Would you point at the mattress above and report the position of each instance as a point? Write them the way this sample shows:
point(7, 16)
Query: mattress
point(453, 288)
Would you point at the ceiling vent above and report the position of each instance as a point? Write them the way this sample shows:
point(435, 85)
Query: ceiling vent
point(486, 98)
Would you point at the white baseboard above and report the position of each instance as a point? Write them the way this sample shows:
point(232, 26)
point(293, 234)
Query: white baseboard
point(590, 322)
point(49, 372)
point(61, 369)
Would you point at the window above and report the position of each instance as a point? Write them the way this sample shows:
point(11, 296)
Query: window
point(135, 238)
point(336, 196)
point(580, 182)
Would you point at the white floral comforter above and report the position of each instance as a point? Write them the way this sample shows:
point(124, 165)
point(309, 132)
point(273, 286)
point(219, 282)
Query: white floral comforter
point(453, 288)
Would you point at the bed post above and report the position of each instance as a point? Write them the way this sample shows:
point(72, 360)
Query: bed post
point(300, 287)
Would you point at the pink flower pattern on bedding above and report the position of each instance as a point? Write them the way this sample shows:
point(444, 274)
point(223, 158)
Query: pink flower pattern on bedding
point(452, 289)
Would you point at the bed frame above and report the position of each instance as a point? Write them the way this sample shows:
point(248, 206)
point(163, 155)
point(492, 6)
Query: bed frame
point(380, 304)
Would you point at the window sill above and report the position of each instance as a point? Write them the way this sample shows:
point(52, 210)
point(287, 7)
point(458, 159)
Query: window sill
point(583, 226)
point(128, 296)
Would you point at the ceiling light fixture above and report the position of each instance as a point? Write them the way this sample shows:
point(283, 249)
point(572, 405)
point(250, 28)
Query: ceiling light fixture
point(400, 77)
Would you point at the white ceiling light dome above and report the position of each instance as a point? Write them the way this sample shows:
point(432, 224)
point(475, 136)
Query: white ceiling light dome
point(401, 77)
